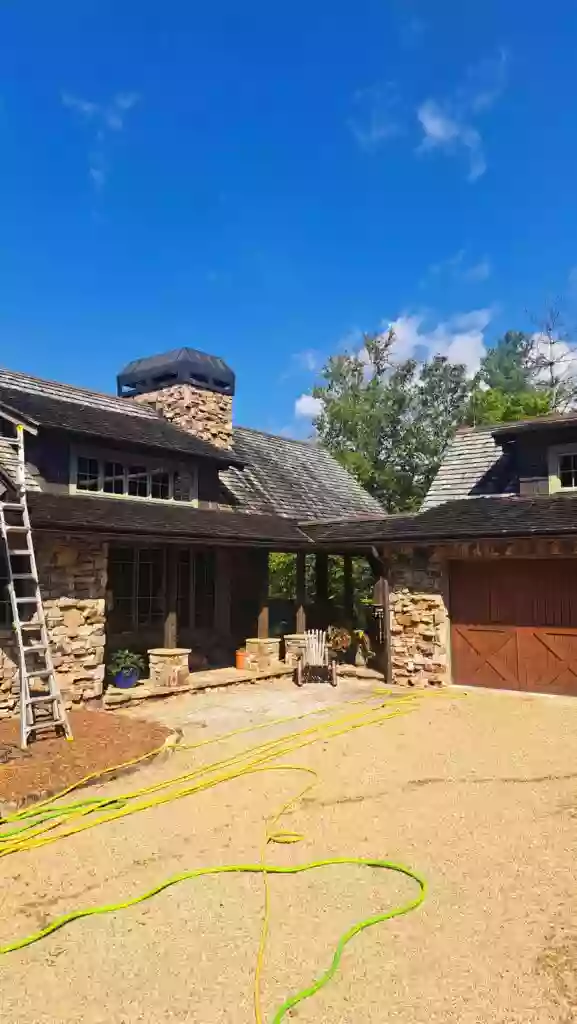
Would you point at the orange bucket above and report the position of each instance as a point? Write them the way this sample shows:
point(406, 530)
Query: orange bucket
point(240, 659)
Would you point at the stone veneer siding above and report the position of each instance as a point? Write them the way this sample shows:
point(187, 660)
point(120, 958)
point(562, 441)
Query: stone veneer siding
point(419, 621)
point(72, 574)
point(206, 414)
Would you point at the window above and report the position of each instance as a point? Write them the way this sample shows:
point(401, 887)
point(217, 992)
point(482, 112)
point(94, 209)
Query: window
point(113, 478)
point(204, 589)
point(137, 587)
point(136, 582)
point(568, 470)
point(160, 484)
point(5, 609)
point(87, 474)
point(136, 481)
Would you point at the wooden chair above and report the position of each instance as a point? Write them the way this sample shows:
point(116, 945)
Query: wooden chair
point(315, 664)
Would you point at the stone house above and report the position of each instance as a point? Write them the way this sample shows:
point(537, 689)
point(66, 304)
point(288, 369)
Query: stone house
point(482, 582)
point(153, 517)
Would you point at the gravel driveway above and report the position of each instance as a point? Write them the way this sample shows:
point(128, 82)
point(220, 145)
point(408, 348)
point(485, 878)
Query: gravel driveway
point(478, 792)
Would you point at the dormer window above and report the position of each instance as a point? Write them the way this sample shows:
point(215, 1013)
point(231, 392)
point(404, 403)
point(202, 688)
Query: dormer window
point(94, 475)
point(568, 470)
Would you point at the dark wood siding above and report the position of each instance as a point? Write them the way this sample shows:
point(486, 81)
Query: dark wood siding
point(514, 624)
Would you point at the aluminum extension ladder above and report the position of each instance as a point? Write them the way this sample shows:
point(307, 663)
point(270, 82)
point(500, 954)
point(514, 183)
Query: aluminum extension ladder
point(41, 704)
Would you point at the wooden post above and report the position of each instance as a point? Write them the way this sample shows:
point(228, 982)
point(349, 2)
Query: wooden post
point(381, 601)
point(322, 586)
point(171, 616)
point(348, 589)
point(263, 616)
point(301, 615)
point(222, 596)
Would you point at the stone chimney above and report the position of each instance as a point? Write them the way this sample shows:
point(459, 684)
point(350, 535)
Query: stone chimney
point(190, 388)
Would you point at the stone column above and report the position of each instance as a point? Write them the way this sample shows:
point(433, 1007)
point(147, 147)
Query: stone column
point(301, 615)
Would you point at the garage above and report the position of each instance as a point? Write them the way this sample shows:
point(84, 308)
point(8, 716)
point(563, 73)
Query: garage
point(514, 624)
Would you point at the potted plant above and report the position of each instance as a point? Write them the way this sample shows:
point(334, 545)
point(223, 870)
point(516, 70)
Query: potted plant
point(126, 668)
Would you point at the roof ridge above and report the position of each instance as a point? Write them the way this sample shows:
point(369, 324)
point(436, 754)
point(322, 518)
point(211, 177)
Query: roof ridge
point(120, 404)
point(279, 437)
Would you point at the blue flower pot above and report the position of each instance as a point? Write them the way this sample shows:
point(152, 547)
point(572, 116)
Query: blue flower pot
point(126, 680)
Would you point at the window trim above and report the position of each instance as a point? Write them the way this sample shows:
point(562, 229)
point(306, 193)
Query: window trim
point(152, 466)
point(554, 455)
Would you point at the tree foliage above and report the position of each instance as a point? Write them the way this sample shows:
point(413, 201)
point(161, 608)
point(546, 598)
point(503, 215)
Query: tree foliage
point(388, 423)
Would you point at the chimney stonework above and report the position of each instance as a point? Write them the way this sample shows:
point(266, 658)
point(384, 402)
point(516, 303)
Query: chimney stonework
point(206, 414)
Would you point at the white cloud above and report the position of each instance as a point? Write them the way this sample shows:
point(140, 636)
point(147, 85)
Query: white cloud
point(307, 407)
point(443, 131)
point(478, 271)
point(447, 124)
point(310, 360)
point(108, 117)
point(376, 116)
point(460, 338)
point(562, 354)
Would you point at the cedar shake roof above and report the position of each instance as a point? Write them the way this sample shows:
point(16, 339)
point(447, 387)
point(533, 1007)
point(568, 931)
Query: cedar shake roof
point(63, 407)
point(473, 465)
point(472, 518)
point(296, 479)
point(162, 520)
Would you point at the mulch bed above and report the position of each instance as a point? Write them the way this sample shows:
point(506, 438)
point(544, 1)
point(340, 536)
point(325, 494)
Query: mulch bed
point(101, 739)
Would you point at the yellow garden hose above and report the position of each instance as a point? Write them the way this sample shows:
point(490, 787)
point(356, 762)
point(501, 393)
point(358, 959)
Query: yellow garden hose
point(51, 820)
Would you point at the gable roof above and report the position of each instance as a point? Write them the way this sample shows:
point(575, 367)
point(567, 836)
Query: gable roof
point(469, 519)
point(80, 411)
point(473, 465)
point(295, 479)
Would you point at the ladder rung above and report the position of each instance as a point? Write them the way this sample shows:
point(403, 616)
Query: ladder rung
point(11, 506)
point(24, 576)
point(34, 648)
point(46, 698)
point(20, 551)
point(26, 600)
point(17, 529)
point(41, 726)
point(30, 625)
point(42, 673)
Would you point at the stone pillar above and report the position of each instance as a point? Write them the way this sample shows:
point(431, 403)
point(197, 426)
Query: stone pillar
point(171, 611)
point(168, 667)
point(348, 589)
point(322, 586)
point(419, 620)
point(263, 613)
point(72, 572)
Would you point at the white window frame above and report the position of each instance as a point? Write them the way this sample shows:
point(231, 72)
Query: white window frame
point(151, 466)
point(554, 459)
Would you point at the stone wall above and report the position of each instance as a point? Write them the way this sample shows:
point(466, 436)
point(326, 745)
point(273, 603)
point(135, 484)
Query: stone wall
point(419, 621)
point(72, 574)
point(206, 414)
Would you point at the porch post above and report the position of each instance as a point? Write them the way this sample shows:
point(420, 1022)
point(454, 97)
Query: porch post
point(171, 610)
point(222, 596)
point(263, 616)
point(322, 585)
point(381, 601)
point(301, 615)
point(348, 590)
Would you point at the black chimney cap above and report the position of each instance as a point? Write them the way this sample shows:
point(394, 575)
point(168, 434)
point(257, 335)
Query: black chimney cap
point(181, 366)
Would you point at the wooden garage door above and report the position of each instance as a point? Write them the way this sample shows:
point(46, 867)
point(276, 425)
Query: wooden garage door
point(514, 625)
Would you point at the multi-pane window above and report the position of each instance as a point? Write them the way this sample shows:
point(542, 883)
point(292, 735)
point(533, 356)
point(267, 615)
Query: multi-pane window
point(138, 588)
point(138, 486)
point(136, 481)
point(88, 474)
point(113, 478)
point(568, 470)
point(5, 610)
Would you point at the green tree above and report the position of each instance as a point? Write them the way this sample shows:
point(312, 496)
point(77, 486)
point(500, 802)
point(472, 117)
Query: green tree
point(389, 423)
point(493, 405)
point(508, 366)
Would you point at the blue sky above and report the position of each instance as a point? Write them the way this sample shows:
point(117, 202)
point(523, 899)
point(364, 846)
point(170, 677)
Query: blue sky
point(267, 180)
